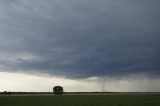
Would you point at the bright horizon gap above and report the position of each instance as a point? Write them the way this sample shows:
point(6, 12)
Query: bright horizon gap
point(21, 82)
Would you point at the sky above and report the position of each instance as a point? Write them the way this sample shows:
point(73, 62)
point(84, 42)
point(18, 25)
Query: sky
point(82, 45)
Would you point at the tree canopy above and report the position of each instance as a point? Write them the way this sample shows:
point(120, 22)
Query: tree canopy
point(58, 90)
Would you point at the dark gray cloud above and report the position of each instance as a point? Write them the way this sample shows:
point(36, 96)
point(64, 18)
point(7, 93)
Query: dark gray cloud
point(80, 38)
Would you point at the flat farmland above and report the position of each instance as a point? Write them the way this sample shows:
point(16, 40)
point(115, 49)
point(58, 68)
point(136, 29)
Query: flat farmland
point(82, 100)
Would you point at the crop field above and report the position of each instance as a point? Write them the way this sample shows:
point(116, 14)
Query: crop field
point(82, 100)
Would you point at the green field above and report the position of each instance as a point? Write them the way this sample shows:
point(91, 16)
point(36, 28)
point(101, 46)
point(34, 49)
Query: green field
point(82, 100)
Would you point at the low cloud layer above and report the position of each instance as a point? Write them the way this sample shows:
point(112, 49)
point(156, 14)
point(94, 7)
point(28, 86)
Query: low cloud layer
point(80, 38)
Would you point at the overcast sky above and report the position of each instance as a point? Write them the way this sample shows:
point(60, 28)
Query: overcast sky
point(81, 39)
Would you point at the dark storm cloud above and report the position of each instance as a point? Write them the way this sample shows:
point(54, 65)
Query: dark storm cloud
point(80, 38)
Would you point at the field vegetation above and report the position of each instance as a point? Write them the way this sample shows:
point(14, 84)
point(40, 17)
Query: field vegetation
point(82, 100)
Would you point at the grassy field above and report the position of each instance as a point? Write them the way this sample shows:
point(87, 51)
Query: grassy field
point(82, 100)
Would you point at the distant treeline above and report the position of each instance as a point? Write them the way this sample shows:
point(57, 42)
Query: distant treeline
point(74, 93)
point(9, 92)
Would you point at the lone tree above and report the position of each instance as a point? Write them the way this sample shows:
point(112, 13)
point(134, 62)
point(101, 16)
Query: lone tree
point(58, 90)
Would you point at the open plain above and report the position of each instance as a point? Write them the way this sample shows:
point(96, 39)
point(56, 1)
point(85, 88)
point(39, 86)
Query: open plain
point(95, 99)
